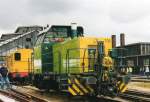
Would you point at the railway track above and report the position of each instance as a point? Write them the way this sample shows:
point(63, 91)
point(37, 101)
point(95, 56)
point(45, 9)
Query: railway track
point(79, 98)
point(21, 97)
point(136, 96)
point(27, 97)
point(68, 98)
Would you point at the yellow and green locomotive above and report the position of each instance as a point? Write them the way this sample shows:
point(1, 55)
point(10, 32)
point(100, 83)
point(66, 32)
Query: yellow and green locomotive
point(65, 60)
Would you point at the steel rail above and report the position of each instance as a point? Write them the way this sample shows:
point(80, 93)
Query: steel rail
point(22, 97)
point(31, 97)
point(135, 96)
point(139, 93)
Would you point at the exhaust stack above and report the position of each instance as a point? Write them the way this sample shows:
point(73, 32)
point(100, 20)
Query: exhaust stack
point(122, 39)
point(73, 30)
point(113, 41)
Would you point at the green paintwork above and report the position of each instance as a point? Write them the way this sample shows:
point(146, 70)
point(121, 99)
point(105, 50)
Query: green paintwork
point(59, 55)
point(43, 61)
point(47, 57)
point(37, 59)
point(51, 57)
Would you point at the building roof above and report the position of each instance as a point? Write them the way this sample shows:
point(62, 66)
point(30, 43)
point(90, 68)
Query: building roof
point(14, 38)
point(1, 40)
point(6, 34)
point(33, 26)
point(9, 35)
point(138, 43)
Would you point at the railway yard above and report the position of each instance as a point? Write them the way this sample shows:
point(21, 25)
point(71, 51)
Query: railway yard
point(74, 51)
point(60, 64)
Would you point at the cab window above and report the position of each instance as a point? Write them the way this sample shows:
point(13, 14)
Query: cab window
point(17, 56)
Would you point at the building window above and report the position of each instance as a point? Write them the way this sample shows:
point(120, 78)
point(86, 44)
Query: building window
point(147, 49)
point(130, 62)
point(143, 49)
point(146, 61)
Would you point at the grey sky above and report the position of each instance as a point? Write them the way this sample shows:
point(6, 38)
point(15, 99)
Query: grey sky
point(98, 17)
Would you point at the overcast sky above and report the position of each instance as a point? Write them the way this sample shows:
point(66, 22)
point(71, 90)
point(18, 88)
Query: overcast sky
point(98, 17)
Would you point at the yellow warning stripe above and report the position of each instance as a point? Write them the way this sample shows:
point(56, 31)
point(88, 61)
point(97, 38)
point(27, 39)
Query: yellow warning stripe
point(81, 86)
point(121, 86)
point(77, 89)
point(72, 91)
point(69, 81)
point(87, 86)
point(124, 89)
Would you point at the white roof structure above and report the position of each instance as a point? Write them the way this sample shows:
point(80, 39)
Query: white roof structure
point(14, 38)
